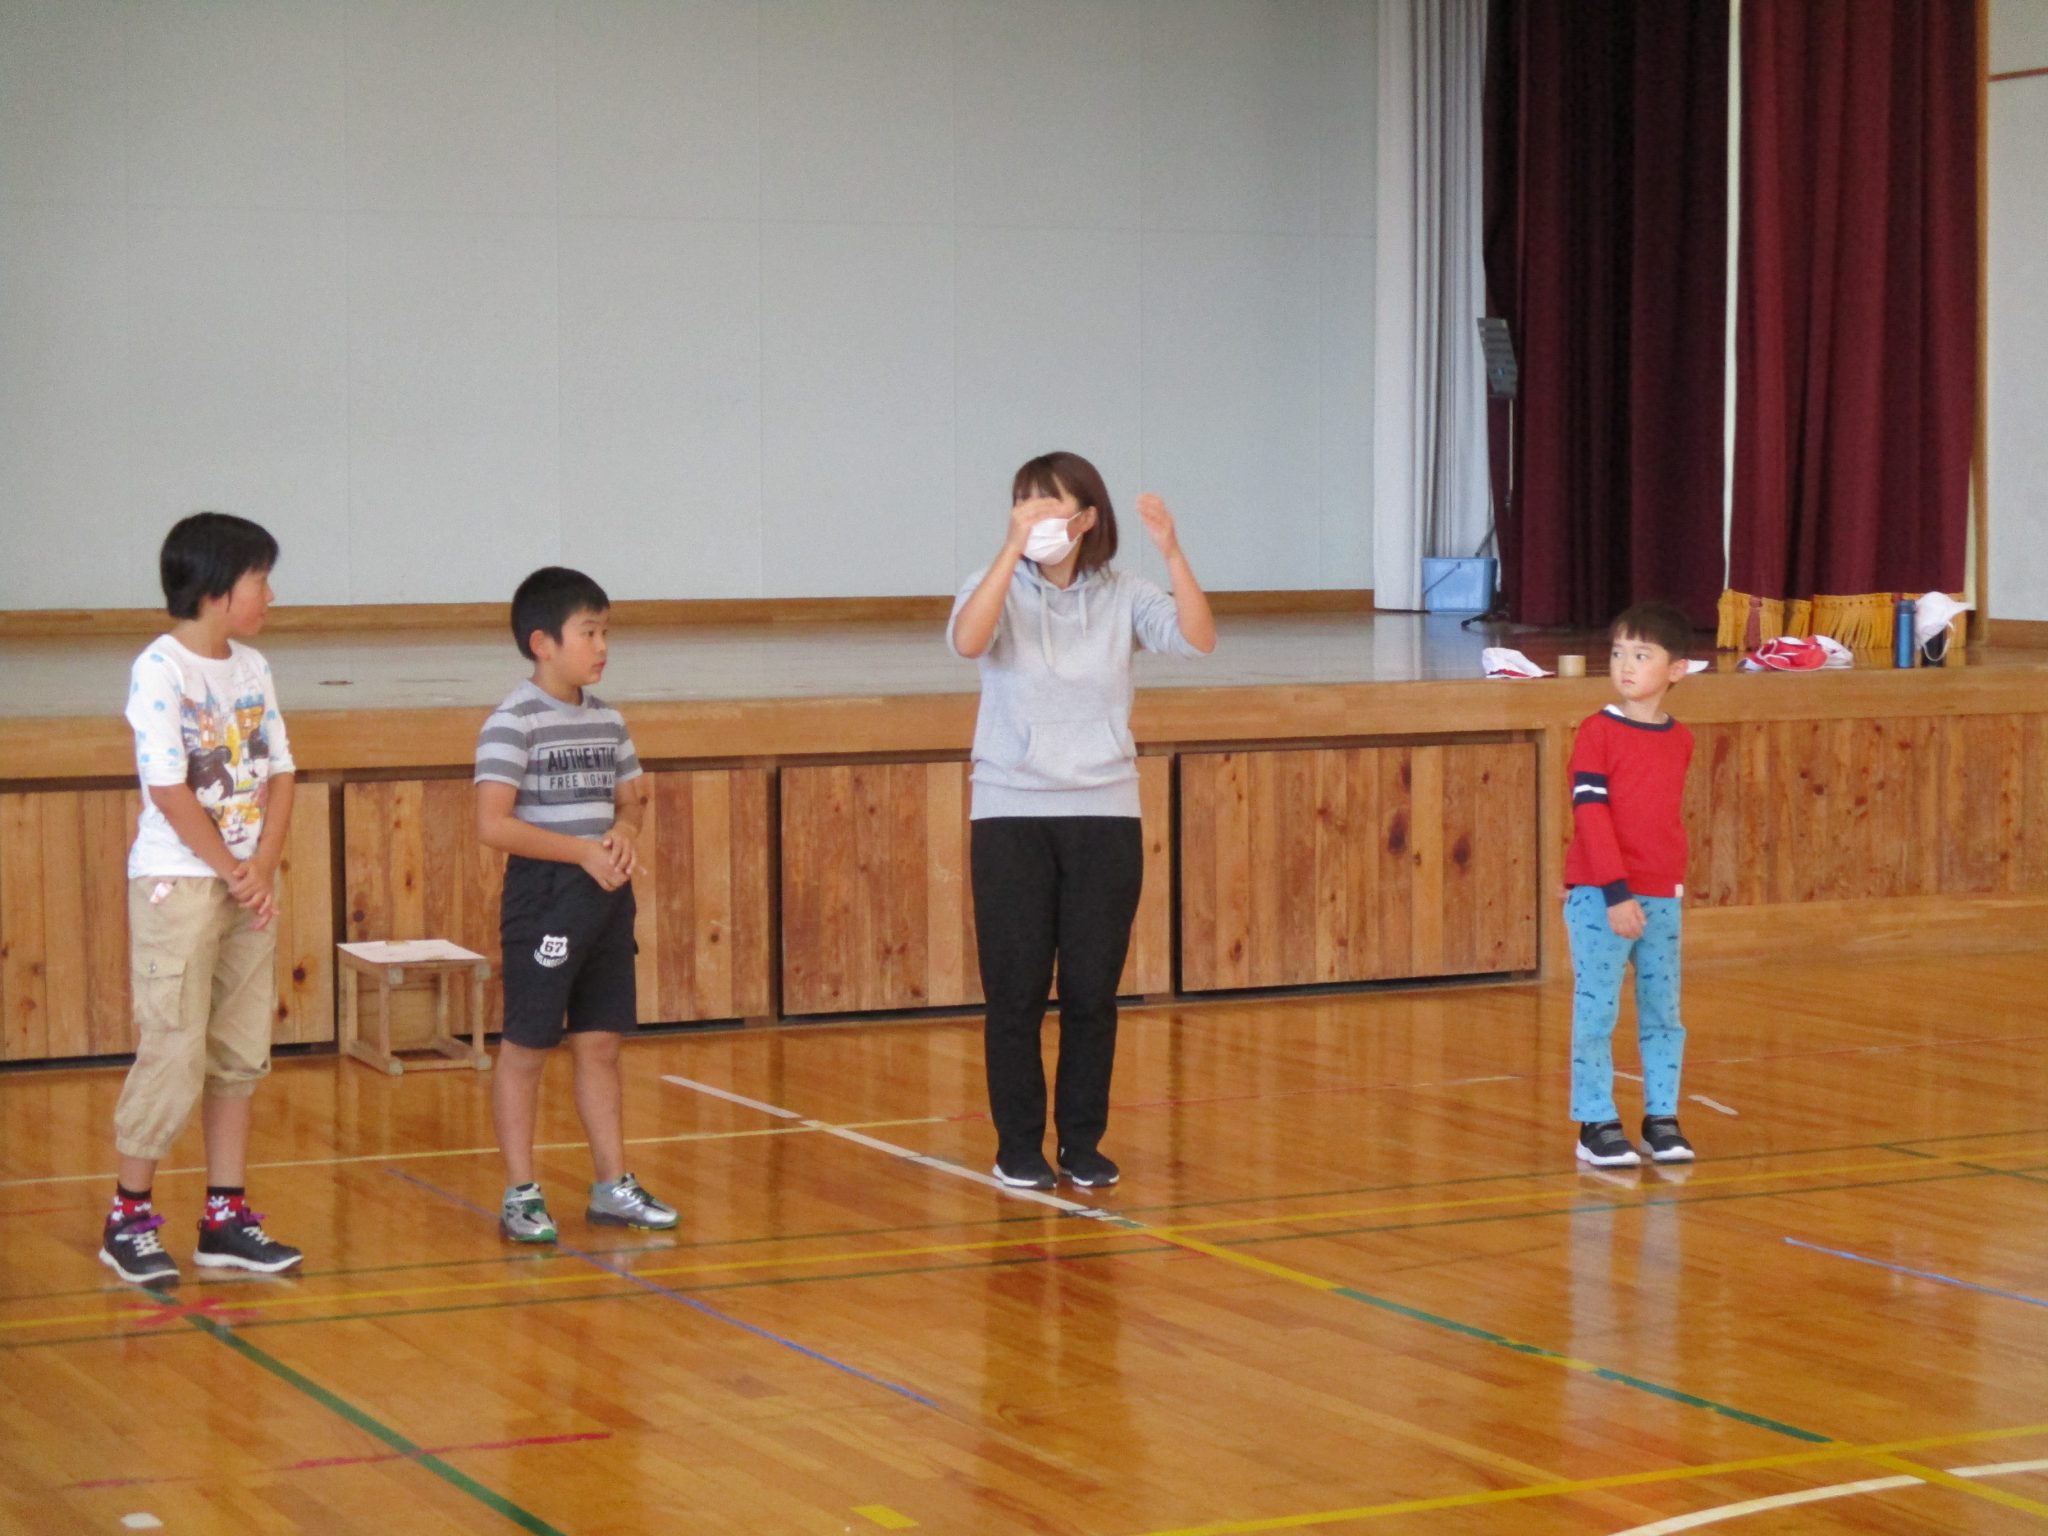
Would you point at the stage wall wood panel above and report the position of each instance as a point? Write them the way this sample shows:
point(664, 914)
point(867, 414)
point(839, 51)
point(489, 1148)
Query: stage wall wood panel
point(1356, 864)
point(1916, 834)
point(416, 870)
point(64, 988)
point(1323, 834)
point(877, 902)
point(1795, 811)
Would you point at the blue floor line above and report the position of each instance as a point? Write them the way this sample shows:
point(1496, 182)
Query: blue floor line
point(689, 1301)
point(1920, 1274)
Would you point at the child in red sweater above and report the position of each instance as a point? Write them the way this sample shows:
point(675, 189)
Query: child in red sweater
point(1626, 878)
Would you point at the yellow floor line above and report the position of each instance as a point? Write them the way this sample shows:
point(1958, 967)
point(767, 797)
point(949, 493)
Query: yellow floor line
point(1091, 1232)
point(489, 1151)
point(1967, 1485)
point(1566, 1487)
point(1708, 1181)
point(1178, 1236)
point(887, 1518)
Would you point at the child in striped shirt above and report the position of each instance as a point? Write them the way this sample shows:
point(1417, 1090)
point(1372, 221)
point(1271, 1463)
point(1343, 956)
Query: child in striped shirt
point(559, 790)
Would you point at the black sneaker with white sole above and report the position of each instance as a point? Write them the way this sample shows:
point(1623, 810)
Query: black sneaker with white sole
point(243, 1244)
point(132, 1250)
point(1665, 1140)
point(1089, 1170)
point(1028, 1171)
point(1606, 1145)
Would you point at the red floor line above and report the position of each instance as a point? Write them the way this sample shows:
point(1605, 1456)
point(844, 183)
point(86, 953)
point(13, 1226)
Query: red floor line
point(320, 1463)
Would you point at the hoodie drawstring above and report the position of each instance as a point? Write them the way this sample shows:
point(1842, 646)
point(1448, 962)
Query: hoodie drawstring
point(1045, 594)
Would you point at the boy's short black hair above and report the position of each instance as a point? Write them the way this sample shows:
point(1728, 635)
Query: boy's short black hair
point(550, 598)
point(1660, 624)
point(204, 555)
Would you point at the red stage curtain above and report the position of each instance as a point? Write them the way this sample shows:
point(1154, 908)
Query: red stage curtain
point(1606, 251)
point(1856, 313)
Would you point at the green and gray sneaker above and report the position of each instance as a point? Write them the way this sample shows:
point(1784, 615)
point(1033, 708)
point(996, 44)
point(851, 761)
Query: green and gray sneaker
point(625, 1204)
point(524, 1218)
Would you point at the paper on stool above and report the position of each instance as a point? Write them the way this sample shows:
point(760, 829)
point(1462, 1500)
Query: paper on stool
point(407, 951)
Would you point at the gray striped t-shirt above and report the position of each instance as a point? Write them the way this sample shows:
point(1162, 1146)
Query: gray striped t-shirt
point(564, 759)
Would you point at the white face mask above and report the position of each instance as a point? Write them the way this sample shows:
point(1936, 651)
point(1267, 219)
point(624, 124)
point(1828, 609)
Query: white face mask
point(1048, 543)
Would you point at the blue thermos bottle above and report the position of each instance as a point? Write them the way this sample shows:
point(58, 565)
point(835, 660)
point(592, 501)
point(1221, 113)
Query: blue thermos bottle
point(1905, 650)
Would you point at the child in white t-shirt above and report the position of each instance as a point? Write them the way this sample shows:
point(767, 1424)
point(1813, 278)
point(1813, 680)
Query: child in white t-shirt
point(217, 777)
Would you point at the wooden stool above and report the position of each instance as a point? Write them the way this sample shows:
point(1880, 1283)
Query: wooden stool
point(412, 963)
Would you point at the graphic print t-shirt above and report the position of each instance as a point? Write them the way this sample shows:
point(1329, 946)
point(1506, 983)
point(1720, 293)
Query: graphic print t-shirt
point(213, 726)
point(564, 759)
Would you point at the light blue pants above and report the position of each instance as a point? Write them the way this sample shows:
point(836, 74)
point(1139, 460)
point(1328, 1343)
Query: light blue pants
point(1599, 956)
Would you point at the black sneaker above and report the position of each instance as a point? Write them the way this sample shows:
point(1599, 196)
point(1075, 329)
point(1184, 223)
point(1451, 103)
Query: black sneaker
point(1606, 1145)
point(132, 1250)
point(1090, 1170)
point(1665, 1140)
point(243, 1244)
point(1031, 1171)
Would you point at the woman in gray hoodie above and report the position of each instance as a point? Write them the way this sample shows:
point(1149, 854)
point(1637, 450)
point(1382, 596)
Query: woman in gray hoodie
point(1057, 854)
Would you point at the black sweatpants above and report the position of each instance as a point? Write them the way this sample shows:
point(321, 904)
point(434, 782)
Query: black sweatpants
point(1046, 888)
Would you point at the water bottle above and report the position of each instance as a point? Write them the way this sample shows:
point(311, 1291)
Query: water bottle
point(1904, 649)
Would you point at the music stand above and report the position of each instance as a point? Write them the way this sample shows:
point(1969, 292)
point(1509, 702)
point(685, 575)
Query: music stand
point(1503, 376)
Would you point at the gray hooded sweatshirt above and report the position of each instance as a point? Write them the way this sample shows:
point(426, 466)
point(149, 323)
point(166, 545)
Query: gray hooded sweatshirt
point(1054, 734)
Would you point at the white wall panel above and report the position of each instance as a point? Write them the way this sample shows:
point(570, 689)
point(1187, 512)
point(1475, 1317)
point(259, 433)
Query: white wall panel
point(718, 298)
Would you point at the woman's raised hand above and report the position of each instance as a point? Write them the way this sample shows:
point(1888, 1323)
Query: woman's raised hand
point(1159, 523)
point(1026, 513)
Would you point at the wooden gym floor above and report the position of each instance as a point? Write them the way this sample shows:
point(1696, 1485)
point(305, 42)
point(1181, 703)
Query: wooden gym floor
point(1351, 1282)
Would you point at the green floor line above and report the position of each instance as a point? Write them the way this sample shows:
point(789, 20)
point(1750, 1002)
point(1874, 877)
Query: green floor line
point(526, 1520)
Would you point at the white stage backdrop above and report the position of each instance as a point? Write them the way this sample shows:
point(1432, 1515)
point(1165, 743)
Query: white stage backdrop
point(718, 298)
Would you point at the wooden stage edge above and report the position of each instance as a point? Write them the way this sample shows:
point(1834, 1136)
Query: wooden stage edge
point(808, 856)
point(340, 743)
point(691, 612)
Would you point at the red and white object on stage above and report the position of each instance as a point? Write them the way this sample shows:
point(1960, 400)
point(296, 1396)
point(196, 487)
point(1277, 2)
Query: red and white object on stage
point(1499, 661)
point(1801, 653)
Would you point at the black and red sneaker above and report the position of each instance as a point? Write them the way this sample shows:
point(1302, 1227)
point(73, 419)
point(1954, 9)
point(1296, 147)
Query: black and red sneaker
point(241, 1243)
point(132, 1250)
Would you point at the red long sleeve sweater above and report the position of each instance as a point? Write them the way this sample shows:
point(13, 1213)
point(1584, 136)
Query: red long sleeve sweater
point(1628, 803)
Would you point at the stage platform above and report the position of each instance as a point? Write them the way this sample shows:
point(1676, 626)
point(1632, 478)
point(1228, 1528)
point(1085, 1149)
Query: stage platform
point(473, 667)
point(719, 692)
point(1330, 800)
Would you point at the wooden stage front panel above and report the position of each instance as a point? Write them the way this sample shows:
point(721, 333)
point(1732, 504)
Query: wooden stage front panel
point(808, 856)
point(416, 870)
point(1927, 832)
point(64, 988)
point(1356, 864)
point(877, 904)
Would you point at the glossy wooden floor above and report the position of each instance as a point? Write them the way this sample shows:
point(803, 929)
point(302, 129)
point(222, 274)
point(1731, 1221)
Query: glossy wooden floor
point(1351, 1282)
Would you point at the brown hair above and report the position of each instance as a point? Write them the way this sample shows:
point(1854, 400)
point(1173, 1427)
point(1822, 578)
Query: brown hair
point(1660, 624)
point(1051, 474)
